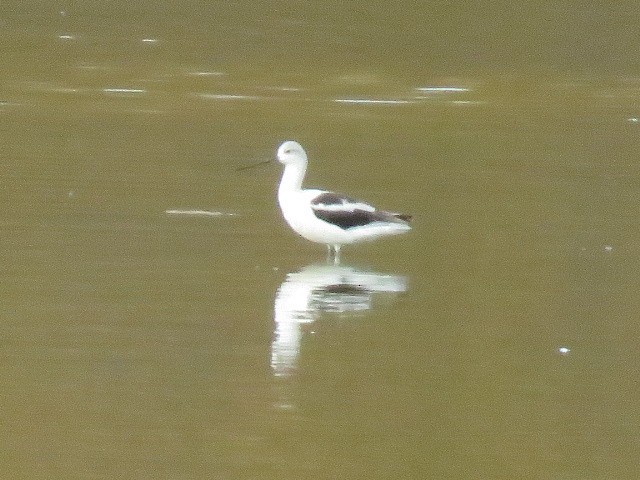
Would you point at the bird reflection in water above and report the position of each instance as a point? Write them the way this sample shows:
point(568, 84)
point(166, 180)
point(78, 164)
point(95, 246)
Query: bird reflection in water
point(305, 295)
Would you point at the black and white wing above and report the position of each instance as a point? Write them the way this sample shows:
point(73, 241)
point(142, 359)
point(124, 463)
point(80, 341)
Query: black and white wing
point(347, 213)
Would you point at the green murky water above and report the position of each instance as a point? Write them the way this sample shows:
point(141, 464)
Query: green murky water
point(159, 320)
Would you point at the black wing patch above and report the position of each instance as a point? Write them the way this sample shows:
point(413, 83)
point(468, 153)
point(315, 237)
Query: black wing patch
point(353, 214)
point(346, 220)
point(330, 198)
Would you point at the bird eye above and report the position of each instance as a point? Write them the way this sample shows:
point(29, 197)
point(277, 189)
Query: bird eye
point(288, 150)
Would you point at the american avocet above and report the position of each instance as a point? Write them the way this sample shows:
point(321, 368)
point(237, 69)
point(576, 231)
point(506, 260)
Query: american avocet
point(327, 217)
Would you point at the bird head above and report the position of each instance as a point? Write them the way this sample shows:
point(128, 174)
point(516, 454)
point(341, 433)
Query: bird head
point(291, 152)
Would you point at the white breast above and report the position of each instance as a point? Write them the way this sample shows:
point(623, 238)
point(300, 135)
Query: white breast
point(296, 209)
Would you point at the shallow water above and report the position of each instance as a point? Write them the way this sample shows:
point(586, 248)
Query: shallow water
point(159, 320)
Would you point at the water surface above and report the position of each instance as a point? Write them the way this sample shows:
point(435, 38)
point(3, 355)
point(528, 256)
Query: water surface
point(159, 320)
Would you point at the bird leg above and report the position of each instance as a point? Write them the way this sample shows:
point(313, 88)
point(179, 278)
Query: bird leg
point(333, 254)
point(336, 257)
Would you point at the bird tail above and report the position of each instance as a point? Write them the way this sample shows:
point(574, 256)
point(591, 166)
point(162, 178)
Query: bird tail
point(393, 217)
point(402, 216)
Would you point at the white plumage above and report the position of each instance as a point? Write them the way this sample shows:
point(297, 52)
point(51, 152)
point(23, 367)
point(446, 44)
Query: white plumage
point(326, 217)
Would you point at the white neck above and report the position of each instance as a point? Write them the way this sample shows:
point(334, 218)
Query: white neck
point(292, 177)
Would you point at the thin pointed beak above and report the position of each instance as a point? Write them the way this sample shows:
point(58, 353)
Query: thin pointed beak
point(253, 165)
